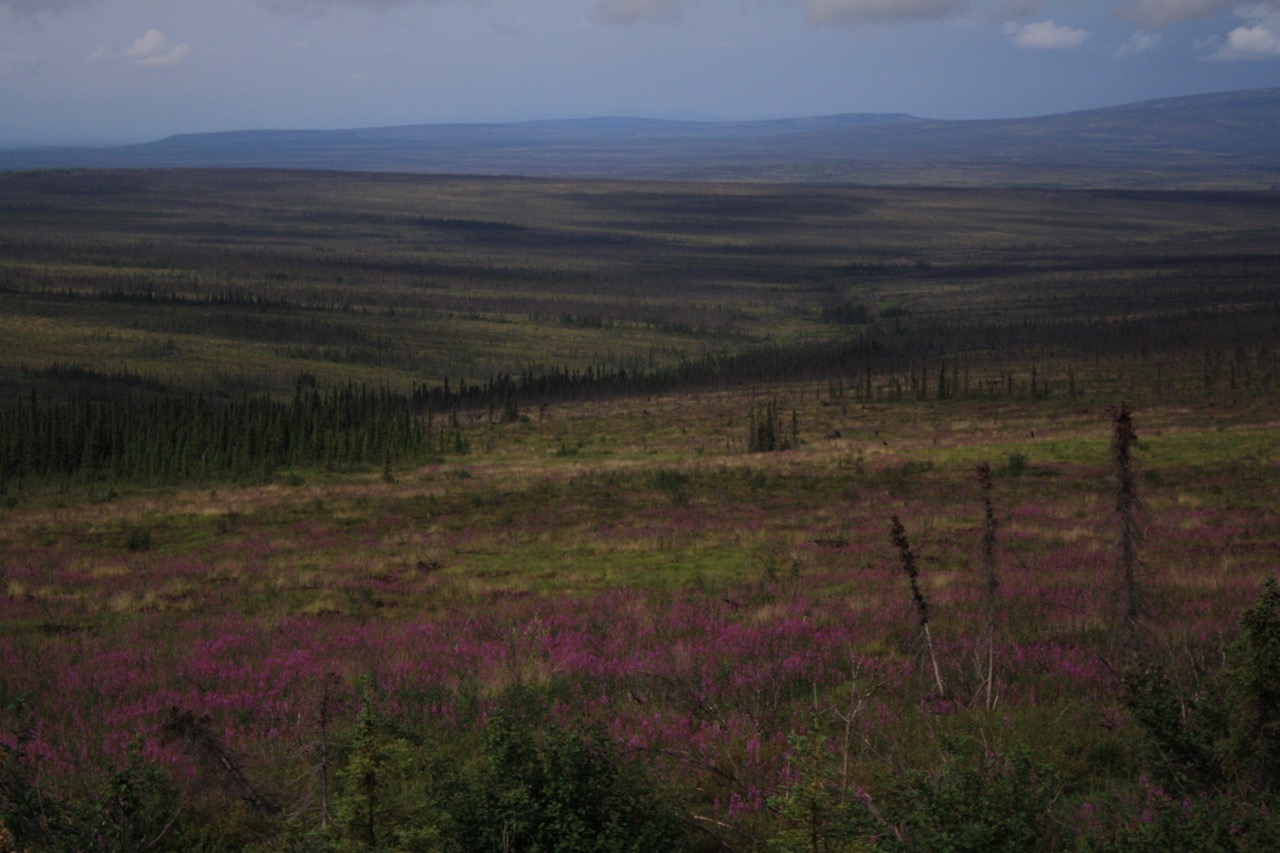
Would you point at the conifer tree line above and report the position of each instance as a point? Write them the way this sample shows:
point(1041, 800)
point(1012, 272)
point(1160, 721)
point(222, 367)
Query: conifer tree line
point(87, 426)
point(557, 384)
point(185, 437)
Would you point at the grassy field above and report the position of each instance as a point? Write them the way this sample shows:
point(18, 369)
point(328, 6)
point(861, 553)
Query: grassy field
point(307, 656)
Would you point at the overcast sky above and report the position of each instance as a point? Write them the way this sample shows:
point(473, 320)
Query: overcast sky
point(114, 70)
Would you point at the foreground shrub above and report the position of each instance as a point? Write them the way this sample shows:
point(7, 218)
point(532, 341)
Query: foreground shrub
point(546, 786)
point(973, 800)
point(135, 808)
point(535, 784)
point(1212, 756)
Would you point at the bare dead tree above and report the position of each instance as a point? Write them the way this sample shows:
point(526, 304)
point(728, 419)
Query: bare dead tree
point(990, 586)
point(195, 736)
point(907, 558)
point(1129, 534)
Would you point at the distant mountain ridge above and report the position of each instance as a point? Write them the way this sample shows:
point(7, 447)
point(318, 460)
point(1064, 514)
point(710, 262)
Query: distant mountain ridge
point(1229, 138)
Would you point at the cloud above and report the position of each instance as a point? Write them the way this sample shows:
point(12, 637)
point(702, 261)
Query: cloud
point(319, 7)
point(154, 49)
point(872, 11)
point(1162, 13)
point(623, 12)
point(33, 7)
point(12, 61)
point(1140, 42)
point(1259, 39)
point(1044, 35)
point(1012, 10)
point(151, 42)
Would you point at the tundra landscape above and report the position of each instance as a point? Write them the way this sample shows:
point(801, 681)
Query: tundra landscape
point(414, 512)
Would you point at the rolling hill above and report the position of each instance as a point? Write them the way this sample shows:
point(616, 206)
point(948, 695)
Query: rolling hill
point(1225, 139)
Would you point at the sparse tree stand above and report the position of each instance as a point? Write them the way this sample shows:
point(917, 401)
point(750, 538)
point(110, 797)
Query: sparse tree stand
point(766, 433)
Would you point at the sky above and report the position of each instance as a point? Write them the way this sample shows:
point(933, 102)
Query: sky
point(100, 71)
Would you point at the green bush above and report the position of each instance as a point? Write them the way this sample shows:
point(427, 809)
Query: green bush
point(138, 539)
point(547, 787)
point(974, 800)
point(388, 792)
point(1015, 464)
point(536, 785)
point(1155, 822)
point(1213, 764)
point(136, 808)
point(817, 814)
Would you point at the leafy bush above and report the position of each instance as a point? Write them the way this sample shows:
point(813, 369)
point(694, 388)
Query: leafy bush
point(675, 483)
point(1252, 748)
point(975, 801)
point(535, 785)
point(1015, 464)
point(138, 539)
point(388, 792)
point(1213, 760)
point(817, 813)
point(1156, 822)
point(136, 808)
point(549, 787)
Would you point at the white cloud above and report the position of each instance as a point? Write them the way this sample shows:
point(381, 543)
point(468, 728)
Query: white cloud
point(1012, 10)
point(1259, 39)
point(321, 7)
point(169, 57)
point(622, 12)
point(1044, 35)
point(12, 61)
point(1162, 13)
point(1140, 42)
point(153, 49)
point(32, 7)
point(151, 41)
point(858, 11)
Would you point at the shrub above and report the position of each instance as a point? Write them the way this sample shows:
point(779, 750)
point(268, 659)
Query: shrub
point(138, 539)
point(1253, 695)
point(675, 483)
point(817, 813)
point(1015, 464)
point(388, 792)
point(1213, 764)
point(546, 786)
point(136, 810)
point(975, 800)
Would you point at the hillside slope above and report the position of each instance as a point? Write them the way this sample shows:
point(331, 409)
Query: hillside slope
point(1229, 138)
